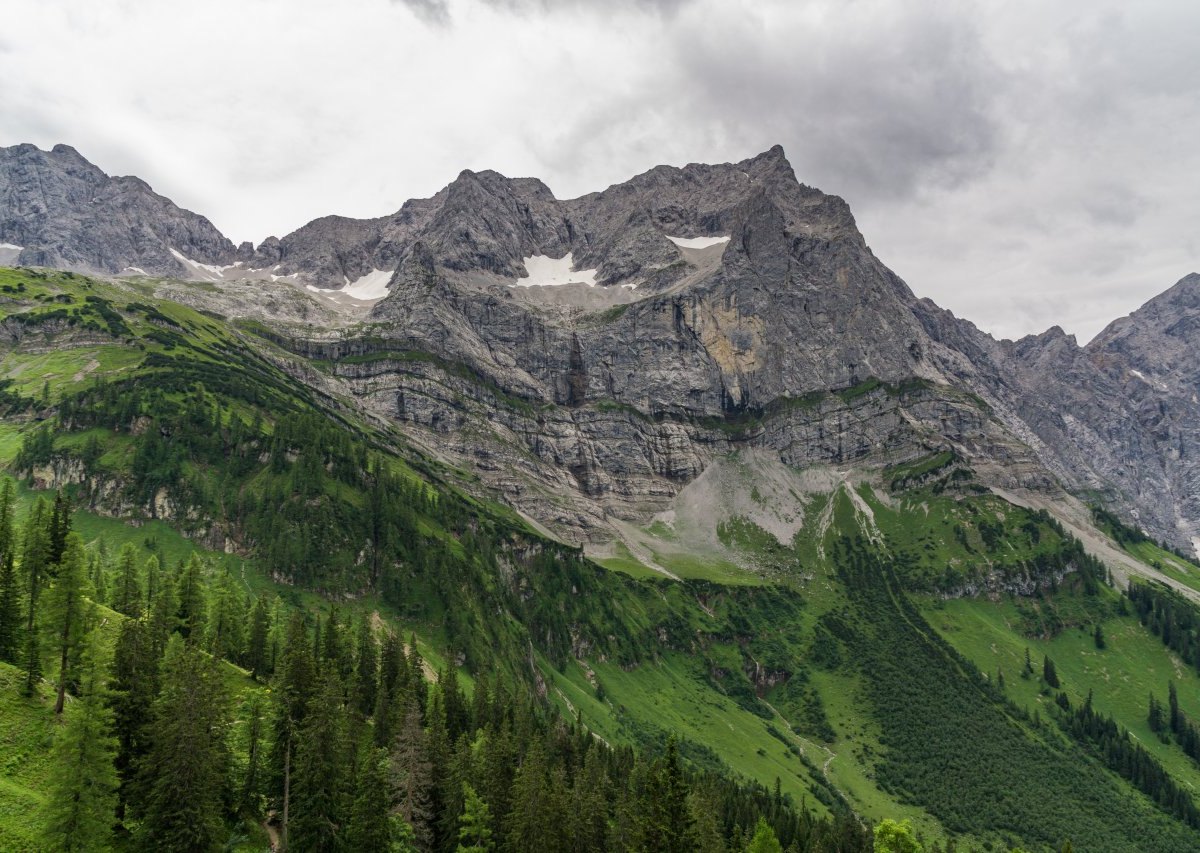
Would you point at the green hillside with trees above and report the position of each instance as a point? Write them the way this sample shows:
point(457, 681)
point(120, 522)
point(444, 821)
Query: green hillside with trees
point(236, 614)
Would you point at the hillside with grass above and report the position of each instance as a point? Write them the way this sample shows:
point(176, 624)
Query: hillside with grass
point(845, 649)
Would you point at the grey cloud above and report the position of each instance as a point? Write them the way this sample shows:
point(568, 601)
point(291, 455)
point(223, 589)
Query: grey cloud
point(430, 11)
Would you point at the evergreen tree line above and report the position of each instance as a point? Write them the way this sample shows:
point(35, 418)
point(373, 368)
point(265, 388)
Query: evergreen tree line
point(954, 744)
point(1125, 756)
point(1174, 723)
point(1170, 617)
point(352, 749)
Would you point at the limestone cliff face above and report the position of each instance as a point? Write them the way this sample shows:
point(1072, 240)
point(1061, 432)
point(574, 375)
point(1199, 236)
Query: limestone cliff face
point(58, 210)
point(585, 405)
point(1119, 417)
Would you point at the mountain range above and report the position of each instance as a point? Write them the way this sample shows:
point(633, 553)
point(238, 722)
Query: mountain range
point(696, 312)
point(677, 474)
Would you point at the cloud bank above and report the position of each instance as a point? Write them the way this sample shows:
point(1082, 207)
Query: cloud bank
point(1022, 164)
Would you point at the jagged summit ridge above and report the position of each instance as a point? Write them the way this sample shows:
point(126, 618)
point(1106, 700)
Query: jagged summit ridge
point(615, 386)
point(58, 210)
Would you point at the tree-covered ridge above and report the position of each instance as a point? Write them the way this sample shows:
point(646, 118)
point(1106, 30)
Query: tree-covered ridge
point(352, 748)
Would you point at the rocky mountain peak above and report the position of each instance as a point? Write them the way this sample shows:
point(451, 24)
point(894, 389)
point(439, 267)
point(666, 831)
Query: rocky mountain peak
point(63, 211)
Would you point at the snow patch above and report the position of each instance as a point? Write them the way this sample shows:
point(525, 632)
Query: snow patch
point(212, 272)
point(12, 246)
point(373, 285)
point(1151, 382)
point(697, 242)
point(1196, 545)
point(136, 270)
point(545, 271)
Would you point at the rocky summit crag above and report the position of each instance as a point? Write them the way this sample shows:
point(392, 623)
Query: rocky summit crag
point(593, 403)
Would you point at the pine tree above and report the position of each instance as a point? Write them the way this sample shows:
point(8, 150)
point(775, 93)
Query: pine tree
point(370, 828)
point(1027, 669)
point(412, 779)
point(82, 798)
point(127, 591)
point(1176, 718)
point(475, 830)
point(1098, 636)
point(318, 778)
point(66, 615)
point(186, 769)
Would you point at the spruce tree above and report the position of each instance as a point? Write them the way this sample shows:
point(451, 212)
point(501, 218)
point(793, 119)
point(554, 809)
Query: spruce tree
point(8, 540)
point(186, 769)
point(82, 797)
point(318, 776)
point(295, 677)
point(588, 815)
point(366, 670)
point(1049, 674)
point(163, 614)
point(411, 779)
point(10, 611)
point(536, 818)
point(66, 613)
point(475, 829)
point(97, 577)
point(371, 826)
point(765, 840)
point(254, 712)
point(127, 590)
point(256, 643)
point(227, 622)
point(35, 565)
point(190, 599)
point(60, 526)
point(133, 686)
point(10, 591)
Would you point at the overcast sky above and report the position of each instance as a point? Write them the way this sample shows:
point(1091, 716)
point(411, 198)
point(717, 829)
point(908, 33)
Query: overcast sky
point(1022, 163)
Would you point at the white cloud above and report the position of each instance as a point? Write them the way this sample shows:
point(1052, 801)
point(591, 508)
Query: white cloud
point(1021, 163)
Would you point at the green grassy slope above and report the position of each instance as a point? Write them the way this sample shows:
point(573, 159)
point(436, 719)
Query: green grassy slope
point(815, 669)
